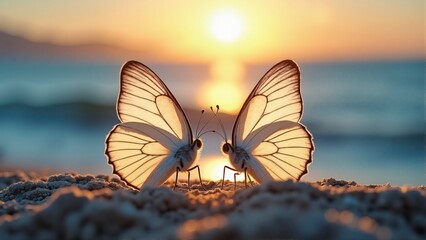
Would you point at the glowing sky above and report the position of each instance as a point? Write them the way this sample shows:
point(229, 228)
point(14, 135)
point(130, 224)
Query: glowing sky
point(181, 31)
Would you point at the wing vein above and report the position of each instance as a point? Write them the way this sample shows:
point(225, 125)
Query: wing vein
point(280, 88)
point(136, 106)
point(258, 120)
point(134, 95)
point(152, 165)
point(145, 73)
point(272, 75)
point(153, 157)
point(168, 124)
point(124, 158)
point(134, 75)
point(283, 96)
point(283, 78)
point(133, 163)
point(123, 149)
point(129, 82)
point(289, 139)
point(279, 166)
point(126, 134)
point(126, 142)
point(272, 171)
point(291, 155)
point(171, 140)
point(281, 107)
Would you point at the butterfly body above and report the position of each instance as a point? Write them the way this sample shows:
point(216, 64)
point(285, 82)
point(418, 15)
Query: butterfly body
point(186, 155)
point(237, 156)
point(181, 160)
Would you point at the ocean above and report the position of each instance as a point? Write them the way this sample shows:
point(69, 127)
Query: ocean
point(367, 118)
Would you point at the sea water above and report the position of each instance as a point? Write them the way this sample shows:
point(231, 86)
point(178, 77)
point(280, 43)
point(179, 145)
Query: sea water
point(367, 118)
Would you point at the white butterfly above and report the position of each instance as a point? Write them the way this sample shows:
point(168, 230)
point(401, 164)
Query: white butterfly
point(268, 141)
point(154, 139)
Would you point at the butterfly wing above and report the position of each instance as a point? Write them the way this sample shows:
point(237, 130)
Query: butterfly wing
point(153, 127)
point(272, 107)
point(145, 98)
point(275, 98)
point(140, 153)
point(280, 151)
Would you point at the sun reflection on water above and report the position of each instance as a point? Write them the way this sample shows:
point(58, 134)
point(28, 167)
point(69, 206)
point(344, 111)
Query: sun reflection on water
point(225, 87)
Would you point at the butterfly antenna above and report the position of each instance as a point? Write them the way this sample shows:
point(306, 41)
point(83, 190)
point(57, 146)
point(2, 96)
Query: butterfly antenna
point(198, 125)
point(209, 131)
point(218, 133)
point(204, 126)
point(220, 121)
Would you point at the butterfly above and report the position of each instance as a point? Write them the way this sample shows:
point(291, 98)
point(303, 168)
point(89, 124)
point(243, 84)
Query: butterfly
point(268, 141)
point(154, 139)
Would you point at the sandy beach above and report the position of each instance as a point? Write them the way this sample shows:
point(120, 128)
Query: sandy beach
point(73, 206)
point(100, 98)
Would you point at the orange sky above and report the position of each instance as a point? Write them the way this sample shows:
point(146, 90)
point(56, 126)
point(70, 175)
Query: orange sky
point(180, 31)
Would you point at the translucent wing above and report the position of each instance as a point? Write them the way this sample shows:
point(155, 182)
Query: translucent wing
point(145, 98)
point(268, 126)
point(140, 153)
point(153, 127)
point(275, 98)
point(280, 151)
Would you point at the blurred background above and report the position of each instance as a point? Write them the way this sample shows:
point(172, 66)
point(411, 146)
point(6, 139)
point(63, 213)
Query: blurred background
point(362, 64)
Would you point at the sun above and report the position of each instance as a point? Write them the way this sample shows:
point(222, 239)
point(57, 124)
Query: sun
point(226, 26)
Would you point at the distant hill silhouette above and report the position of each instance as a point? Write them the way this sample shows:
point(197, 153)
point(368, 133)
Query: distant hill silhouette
point(16, 47)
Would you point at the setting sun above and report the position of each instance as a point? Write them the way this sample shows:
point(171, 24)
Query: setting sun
point(226, 26)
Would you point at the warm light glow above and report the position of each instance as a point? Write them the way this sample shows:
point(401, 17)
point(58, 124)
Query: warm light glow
point(227, 70)
point(227, 95)
point(257, 33)
point(213, 169)
point(225, 88)
point(226, 26)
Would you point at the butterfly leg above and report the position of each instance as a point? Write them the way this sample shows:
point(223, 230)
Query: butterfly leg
point(235, 180)
point(201, 181)
point(177, 173)
point(199, 175)
point(251, 182)
point(245, 177)
point(223, 179)
point(189, 177)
